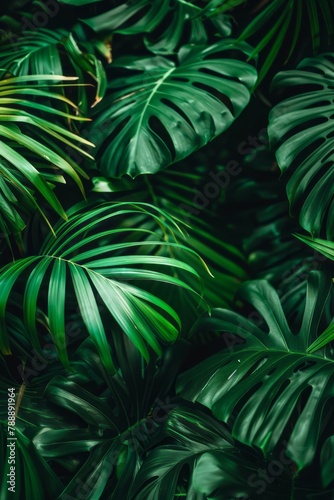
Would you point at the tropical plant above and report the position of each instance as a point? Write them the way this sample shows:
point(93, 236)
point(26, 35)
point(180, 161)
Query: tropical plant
point(274, 376)
point(302, 123)
point(166, 244)
point(278, 26)
point(23, 133)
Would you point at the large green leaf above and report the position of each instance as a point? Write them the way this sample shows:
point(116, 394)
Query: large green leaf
point(278, 27)
point(175, 191)
point(27, 139)
point(99, 264)
point(94, 425)
point(164, 111)
point(42, 52)
point(202, 462)
point(301, 129)
point(266, 384)
point(186, 23)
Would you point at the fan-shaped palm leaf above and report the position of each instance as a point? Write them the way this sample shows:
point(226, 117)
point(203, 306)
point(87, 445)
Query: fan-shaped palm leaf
point(39, 53)
point(25, 133)
point(203, 232)
point(277, 26)
point(96, 263)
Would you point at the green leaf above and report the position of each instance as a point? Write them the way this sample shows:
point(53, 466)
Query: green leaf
point(300, 130)
point(201, 462)
point(99, 285)
point(28, 139)
point(92, 424)
point(323, 246)
point(324, 339)
point(327, 461)
point(38, 52)
point(174, 191)
point(186, 23)
point(165, 112)
point(267, 381)
point(275, 21)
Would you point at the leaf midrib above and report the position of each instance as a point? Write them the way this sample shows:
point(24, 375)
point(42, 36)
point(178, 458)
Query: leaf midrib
point(154, 91)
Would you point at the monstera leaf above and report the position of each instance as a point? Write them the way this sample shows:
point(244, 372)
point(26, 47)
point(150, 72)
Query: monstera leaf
point(98, 264)
point(163, 111)
point(269, 385)
point(185, 19)
point(327, 461)
point(203, 462)
point(301, 131)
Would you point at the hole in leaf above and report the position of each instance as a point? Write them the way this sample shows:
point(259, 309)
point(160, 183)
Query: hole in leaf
point(178, 110)
point(113, 134)
point(276, 396)
point(179, 79)
point(304, 366)
point(329, 136)
point(255, 367)
point(158, 128)
point(318, 104)
point(214, 92)
point(238, 407)
point(138, 16)
point(227, 54)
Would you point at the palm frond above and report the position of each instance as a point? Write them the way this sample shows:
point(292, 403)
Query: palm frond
point(99, 265)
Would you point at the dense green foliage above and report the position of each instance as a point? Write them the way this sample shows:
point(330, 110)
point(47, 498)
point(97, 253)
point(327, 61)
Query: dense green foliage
point(166, 243)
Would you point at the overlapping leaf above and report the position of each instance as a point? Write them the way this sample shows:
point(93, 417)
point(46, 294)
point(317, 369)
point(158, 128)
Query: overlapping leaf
point(267, 384)
point(25, 133)
point(301, 129)
point(187, 23)
point(202, 462)
point(56, 52)
point(99, 265)
point(164, 111)
point(100, 431)
point(220, 251)
point(276, 28)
